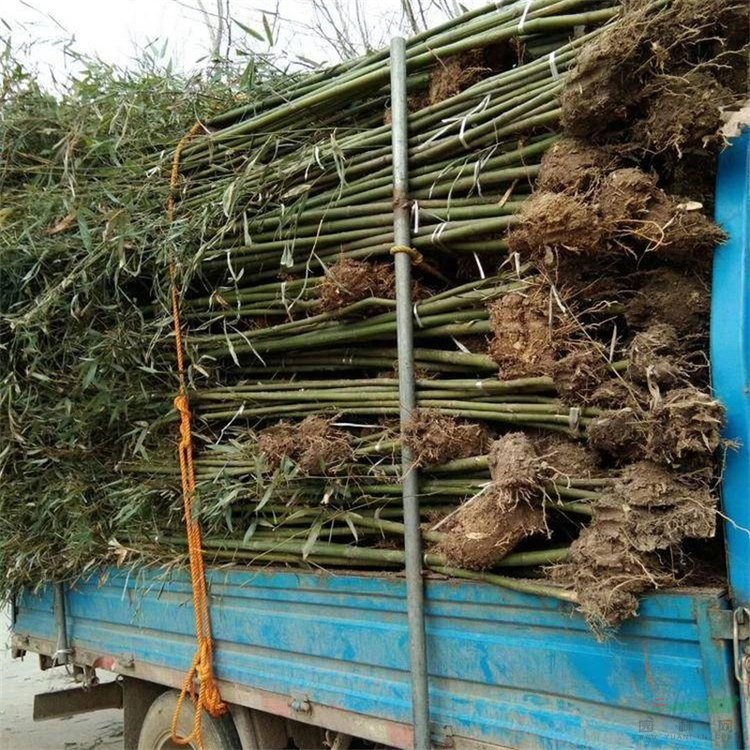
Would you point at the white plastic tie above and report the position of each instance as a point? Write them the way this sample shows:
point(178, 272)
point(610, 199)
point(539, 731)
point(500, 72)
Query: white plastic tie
point(524, 14)
point(574, 417)
point(415, 216)
point(553, 65)
point(437, 234)
point(479, 266)
point(416, 316)
point(462, 347)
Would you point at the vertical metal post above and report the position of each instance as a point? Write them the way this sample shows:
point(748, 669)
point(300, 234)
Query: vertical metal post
point(407, 396)
point(62, 652)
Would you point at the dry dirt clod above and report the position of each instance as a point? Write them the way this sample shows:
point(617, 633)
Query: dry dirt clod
point(683, 112)
point(565, 458)
point(573, 166)
point(556, 222)
point(619, 435)
point(667, 296)
point(626, 550)
point(488, 528)
point(579, 373)
point(624, 196)
point(435, 438)
point(515, 465)
point(455, 74)
point(677, 232)
point(529, 333)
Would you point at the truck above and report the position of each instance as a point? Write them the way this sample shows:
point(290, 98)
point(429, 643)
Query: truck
point(308, 659)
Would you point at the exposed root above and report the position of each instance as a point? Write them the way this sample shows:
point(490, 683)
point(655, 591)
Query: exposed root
point(349, 281)
point(313, 445)
point(655, 357)
point(580, 373)
point(435, 438)
point(688, 428)
point(626, 550)
point(683, 112)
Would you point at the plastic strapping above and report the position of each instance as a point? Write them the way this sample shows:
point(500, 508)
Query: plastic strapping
point(524, 14)
point(415, 216)
point(553, 66)
point(479, 266)
point(438, 233)
point(416, 316)
point(574, 417)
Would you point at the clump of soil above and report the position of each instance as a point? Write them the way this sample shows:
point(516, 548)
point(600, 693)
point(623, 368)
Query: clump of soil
point(313, 445)
point(667, 296)
point(619, 435)
point(623, 197)
point(626, 550)
point(683, 430)
point(435, 438)
point(487, 528)
point(349, 281)
point(679, 233)
point(639, 77)
point(565, 458)
point(683, 111)
point(688, 428)
point(579, 373)
point(618, 392)
point(515, 465)
point(551, 221)
point(529, 334)
point(457, 73)
point(656, 358)
point(573, 166)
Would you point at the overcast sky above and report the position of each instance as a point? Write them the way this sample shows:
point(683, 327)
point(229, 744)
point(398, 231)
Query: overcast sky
point(118, 30)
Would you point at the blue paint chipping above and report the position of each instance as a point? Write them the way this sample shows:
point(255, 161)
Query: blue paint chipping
point(505, 668)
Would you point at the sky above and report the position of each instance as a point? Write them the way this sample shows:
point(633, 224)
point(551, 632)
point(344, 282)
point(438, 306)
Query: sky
point(118, 31)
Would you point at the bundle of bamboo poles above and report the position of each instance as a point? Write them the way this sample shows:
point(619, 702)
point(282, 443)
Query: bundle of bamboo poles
point(564, 435)
point(290, 299)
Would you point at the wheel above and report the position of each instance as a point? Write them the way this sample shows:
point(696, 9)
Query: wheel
point(156, 732)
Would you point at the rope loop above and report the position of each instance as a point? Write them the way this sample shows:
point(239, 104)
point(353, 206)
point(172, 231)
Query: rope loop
point(415, 255)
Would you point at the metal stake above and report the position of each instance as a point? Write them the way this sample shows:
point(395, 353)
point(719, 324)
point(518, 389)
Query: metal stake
point(407, 395)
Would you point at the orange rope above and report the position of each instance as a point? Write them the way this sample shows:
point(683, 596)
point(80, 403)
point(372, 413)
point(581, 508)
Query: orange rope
point(202, 667)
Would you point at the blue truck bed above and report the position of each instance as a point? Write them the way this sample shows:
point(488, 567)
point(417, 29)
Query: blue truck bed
point(506, 669)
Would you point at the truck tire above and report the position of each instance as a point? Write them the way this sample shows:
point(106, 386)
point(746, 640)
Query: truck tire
point(156, 732)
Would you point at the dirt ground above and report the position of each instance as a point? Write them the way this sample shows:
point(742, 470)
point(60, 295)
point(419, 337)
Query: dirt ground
point(19, 682)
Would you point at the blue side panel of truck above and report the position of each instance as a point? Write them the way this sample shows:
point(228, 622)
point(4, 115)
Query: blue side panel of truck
point(506, 668)
point(730, 354)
